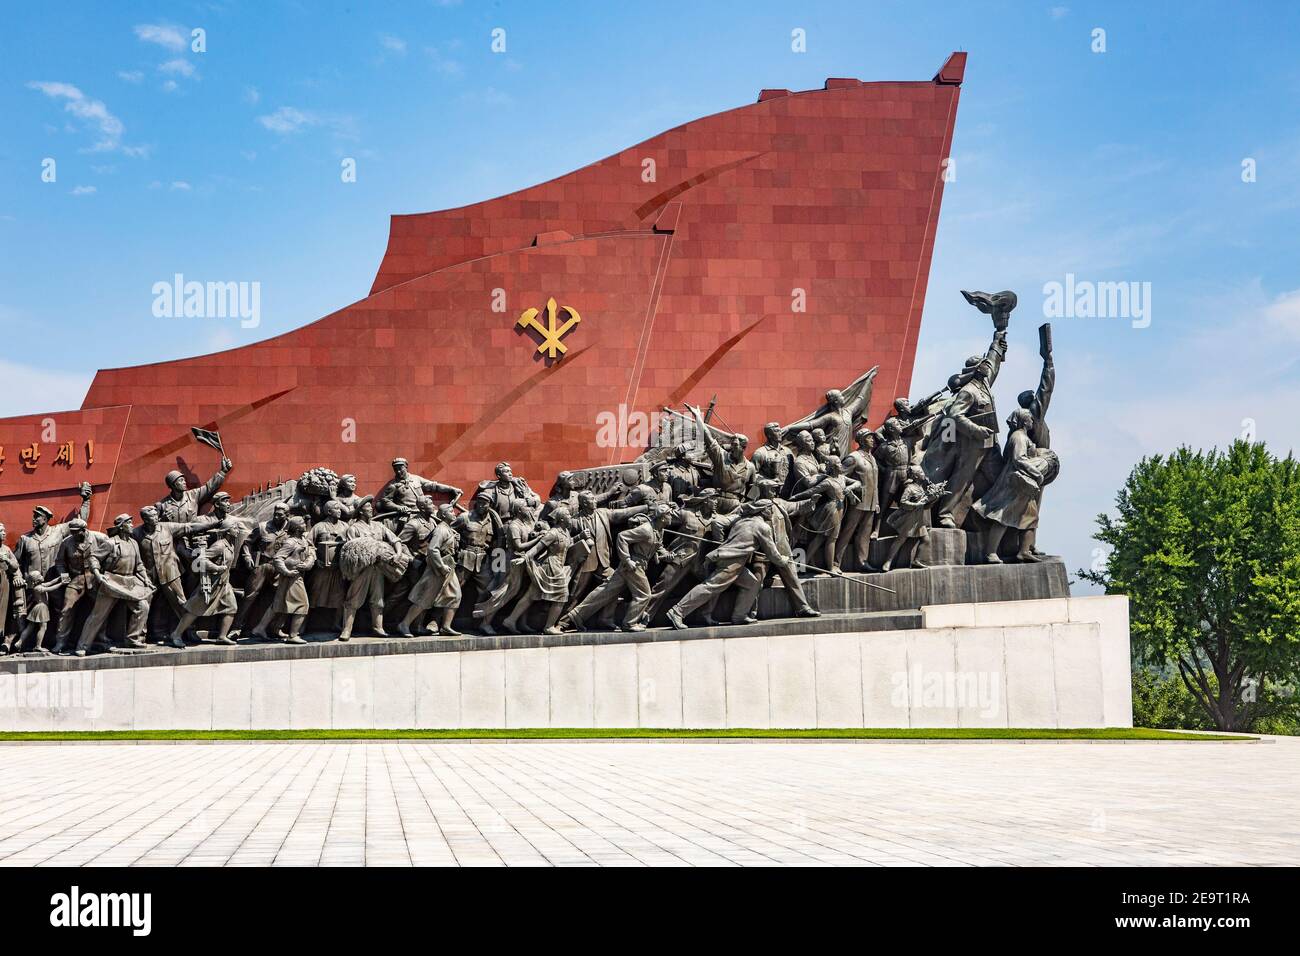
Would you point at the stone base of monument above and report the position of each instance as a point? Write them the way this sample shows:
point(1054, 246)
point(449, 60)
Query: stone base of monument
point(922, 587)
point(1053, 662)
point(1058, 662)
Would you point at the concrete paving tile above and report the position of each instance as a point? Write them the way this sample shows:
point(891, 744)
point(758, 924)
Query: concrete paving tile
point(632, 804)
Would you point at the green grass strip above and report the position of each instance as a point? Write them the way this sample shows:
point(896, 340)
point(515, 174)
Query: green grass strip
point(620, 733)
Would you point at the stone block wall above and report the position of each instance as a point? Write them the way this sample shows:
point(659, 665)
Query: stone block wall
point(1061, 662)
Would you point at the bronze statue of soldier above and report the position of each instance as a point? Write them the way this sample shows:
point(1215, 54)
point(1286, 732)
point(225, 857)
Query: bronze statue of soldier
point(157, 541)
point(214, 556)
point(183, 503)
point(749, 533)
point(294, 557)
point(862, 520)
point(438, 589)
point(1011, 504)
point(636, 547)
point(400, 497)
point(1036, 403)
point(733, 473)
point(119, 574)
point(505, 488)
point(367, 586)
point(478, 528)
point(772, 458)
point(968, 428)
point(12, 591)
point(255, 556)
point(546, 572)
point(326, 588)
point(831, 494)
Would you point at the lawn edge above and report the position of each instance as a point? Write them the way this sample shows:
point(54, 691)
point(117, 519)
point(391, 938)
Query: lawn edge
point(624, 734)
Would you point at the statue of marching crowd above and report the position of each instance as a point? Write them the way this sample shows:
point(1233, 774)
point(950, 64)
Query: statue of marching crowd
point(691, 535)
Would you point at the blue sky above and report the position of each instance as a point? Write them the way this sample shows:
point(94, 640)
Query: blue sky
point(1123, 165)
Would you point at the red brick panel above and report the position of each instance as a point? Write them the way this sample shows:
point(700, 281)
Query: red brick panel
point(686, 283)
point(64, 449)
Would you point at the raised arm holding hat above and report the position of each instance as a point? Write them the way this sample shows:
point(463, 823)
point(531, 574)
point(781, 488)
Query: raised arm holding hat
point(967, 429)
point(732, 471)
point(594, 529)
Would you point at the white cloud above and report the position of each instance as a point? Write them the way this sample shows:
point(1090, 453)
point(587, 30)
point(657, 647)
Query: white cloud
point(251, 95)
point(1284, 311)
point(288, 120)
point(130, 76)
point(170, 86)
point(177, 67)
point(442, 63)
point(83, 190)
point(1058, 13)
point(29, 389)
point(93, 113)
point(181, 185)
point(164, 35)
point(392, 44)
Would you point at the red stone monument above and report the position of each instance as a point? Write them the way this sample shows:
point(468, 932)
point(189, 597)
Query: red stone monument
point(760, 255)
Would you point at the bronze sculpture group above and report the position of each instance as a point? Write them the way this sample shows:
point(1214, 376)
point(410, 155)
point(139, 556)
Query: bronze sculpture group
point(691, 534)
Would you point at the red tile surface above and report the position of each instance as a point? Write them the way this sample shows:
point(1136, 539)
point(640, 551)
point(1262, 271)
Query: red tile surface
point(93, 433)
point(684, 286)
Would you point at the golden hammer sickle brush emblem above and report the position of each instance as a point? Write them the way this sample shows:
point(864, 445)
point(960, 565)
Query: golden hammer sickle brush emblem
point(551, 332)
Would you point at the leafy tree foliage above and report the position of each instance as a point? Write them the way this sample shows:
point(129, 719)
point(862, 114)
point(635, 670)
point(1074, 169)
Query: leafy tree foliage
point(1165, 703)
point(1207, 547)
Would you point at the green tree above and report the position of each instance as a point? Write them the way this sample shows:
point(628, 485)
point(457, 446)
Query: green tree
point(1165, 702)
point(1207, 547)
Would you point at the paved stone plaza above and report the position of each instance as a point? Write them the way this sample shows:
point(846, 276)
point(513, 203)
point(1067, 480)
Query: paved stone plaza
point(658, 803)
